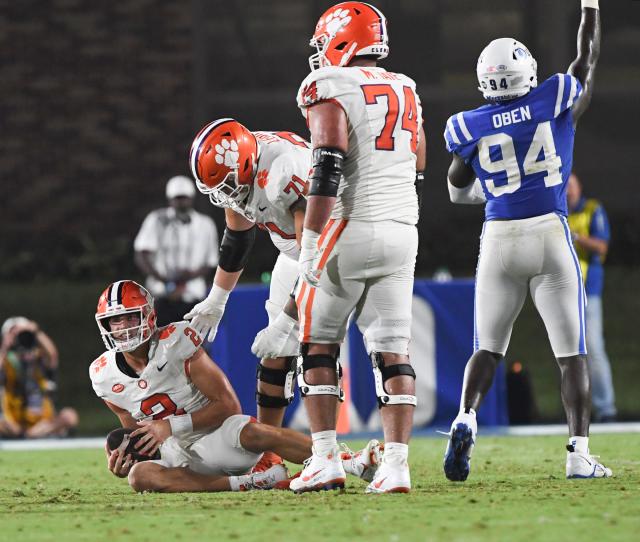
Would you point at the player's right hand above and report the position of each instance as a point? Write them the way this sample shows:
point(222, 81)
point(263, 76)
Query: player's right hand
point(309, 259)
point(205, 318)
point(278, 339)
point(117, 462)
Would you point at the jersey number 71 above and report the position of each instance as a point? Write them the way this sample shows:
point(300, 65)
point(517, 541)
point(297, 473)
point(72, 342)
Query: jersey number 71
point(385, 140)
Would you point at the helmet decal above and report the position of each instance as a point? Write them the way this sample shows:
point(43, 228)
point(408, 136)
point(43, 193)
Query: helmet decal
point(223, 160)
point(348, 30)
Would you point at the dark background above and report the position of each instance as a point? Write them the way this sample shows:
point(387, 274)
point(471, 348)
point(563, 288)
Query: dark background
point(101, 100)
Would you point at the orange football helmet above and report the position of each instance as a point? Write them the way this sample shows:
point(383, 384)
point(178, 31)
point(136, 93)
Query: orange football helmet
point(223, 161)
point(125, 297)
point(347, 30)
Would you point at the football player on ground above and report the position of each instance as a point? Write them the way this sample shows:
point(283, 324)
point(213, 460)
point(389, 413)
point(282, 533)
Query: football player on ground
point(161, 383)
point(359, 240)
point(520, 148)
point(260, 179)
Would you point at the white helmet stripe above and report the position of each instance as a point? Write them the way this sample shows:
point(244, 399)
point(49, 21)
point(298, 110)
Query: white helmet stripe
point(195, 147)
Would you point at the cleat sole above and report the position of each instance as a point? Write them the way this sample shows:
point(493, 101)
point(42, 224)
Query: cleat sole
point(337, 483)
point(456, 460)
point(392, 490)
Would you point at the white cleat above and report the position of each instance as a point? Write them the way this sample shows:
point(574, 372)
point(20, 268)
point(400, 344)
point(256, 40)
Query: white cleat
point(266, 479)
point(320, 474)
point(390, 478)
point(585, 466)
point(363, 463)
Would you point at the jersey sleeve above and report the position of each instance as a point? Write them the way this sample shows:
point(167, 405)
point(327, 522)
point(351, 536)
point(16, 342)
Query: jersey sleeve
point(599, 227)
point(99, 375)
point(181, 342)
point(329, 84)
point(147, 238)
point(557, 94)
point(458, 135)
point(288, 181)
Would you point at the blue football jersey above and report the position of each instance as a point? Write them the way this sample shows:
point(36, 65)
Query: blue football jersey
point(521, 150)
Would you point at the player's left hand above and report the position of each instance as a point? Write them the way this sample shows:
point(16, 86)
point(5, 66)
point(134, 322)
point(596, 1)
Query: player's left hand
point(152, 435)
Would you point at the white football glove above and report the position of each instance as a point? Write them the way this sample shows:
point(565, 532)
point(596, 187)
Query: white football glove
point(309, 258)
point(206, 315)
point(278, 339)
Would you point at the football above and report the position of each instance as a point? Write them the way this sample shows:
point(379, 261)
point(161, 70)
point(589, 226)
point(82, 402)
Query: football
point(114, 439)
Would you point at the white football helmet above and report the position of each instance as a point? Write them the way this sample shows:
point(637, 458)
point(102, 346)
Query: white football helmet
point(506, 70)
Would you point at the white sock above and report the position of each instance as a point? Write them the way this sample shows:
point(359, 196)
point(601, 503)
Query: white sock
point(580, 444)
point(324, 442)
point(395, 453)
point(239, 483)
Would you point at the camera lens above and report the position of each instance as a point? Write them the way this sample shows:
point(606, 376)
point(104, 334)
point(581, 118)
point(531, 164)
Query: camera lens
point(25, 340)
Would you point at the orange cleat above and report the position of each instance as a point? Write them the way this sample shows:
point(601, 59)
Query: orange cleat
point(268, 460)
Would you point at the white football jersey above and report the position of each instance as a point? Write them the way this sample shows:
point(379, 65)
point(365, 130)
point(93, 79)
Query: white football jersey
point(284, 161)
point(163, 388)
point(384, 116)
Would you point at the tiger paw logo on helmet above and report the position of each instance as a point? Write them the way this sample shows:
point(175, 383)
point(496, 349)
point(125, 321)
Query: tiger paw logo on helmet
point(227, 152)
point(336, 20)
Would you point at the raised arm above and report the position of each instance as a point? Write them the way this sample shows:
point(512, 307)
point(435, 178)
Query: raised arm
point(584, 66)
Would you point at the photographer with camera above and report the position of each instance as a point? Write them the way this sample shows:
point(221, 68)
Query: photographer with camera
point(28, 366)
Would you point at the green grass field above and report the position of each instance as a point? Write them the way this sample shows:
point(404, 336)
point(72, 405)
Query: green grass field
point(516, 491)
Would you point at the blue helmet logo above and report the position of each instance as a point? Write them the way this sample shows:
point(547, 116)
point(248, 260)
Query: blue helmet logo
point(520, 53)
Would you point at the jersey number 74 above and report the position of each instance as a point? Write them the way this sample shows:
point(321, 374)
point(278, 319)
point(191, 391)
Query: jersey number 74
point(385, 141)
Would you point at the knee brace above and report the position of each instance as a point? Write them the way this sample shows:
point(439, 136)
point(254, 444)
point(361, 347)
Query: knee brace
point(382, 373)
point(277, 377)
point(306, 362)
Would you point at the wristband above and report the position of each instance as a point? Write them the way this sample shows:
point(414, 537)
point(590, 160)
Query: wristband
point(593, 4)
point(181, 425)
